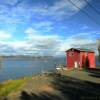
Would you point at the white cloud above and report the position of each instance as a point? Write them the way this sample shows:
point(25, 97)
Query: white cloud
point(43, 25)
point(58, 10)
point(37, 43)
point(4, 35)
point(60, 44)
point(31, 31)
point(80, 40)
point(37, 36)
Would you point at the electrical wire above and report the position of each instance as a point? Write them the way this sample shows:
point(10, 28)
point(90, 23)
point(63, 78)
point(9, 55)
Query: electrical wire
point(90, 5)
point(90, 17)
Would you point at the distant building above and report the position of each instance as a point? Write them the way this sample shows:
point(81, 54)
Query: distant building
point(80, 58)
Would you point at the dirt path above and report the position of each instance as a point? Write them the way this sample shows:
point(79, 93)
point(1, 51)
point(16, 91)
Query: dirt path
point(36, 84)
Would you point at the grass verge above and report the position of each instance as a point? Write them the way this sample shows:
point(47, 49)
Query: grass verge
point(11, 85)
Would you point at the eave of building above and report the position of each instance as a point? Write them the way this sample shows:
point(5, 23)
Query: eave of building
point(81, 50)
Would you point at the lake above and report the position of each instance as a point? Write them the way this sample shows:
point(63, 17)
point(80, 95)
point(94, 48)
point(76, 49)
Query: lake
point(16, 68)
point(11, 68)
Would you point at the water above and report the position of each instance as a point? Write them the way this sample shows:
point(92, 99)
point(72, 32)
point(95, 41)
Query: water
point(16, 68)
point(97, 61)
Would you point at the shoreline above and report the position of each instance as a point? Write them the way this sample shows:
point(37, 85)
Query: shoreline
point(41, 82)
point(8, 86)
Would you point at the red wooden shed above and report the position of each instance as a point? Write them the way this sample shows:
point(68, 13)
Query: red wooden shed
point(80, 58)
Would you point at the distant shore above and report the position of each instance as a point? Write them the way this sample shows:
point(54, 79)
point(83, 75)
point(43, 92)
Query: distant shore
point(27, 57)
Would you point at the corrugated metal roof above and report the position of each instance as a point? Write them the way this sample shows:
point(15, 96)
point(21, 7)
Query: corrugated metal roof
point(82, 49)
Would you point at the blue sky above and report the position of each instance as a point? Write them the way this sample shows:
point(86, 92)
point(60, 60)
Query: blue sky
point(47, 27)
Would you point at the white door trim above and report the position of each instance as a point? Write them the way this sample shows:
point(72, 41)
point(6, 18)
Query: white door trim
point(76, 64)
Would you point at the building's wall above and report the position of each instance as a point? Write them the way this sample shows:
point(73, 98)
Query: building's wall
point(87, 59)
point(91, 57)
point(82, 58)
point(71, 59)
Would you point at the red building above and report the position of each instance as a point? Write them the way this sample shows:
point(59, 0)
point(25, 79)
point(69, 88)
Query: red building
point(80, 58)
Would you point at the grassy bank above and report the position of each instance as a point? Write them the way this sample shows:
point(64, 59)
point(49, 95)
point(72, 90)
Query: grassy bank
point(53, 86)
point(11, 86)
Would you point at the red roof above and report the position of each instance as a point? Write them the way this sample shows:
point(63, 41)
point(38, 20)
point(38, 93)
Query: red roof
point(81, 49)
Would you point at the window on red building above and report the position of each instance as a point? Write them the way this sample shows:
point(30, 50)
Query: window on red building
point(71, 54)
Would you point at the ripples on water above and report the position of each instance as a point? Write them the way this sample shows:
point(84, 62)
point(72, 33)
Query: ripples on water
point(15, 68)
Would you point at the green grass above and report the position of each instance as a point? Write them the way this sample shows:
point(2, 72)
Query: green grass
point(36, 83)
point(11, 85)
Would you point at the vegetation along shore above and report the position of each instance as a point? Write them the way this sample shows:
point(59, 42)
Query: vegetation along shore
point(79, 83)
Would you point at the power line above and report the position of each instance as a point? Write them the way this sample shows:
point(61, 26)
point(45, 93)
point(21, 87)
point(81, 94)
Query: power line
point(90, 5)
point(84, 12)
